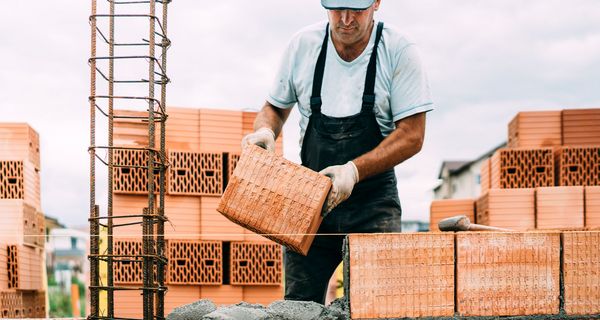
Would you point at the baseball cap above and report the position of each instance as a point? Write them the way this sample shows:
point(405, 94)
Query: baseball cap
point(346, 4)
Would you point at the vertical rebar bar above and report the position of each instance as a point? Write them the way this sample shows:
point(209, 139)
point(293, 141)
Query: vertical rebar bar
point(111, 79)
point(94, 229)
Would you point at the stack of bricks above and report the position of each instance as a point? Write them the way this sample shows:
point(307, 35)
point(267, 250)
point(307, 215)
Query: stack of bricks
point(22, 232)
point(209, 256)
point(548, 177)
point(551, 274)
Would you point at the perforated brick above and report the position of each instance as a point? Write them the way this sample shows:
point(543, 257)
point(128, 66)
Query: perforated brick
point(442, 209)
point(193, 173)
point(256, 263)
point(275, 197)
point(559, 208)
point(11, 180)
point(507, 274)
point(34, 304)
point(581, 127)
point(11, 304)
point(533, 129)
point(232, 162)
point(25, 265)
point(3, 268)
point(522, 168)
point(400, 275)
point(133, 178)
point(18, 141)
point(579, 166)
point(507, 208)
point(195, 262)
point(132, 131)
point(127, 272)
point(19, 223)
point(592, 207)
point(13, 266)
point(581, 266)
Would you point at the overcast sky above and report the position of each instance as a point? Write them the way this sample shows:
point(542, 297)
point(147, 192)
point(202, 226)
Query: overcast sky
point(486, 61)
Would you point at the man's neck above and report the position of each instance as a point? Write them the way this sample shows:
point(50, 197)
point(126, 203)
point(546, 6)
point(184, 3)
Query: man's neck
point(349, 52)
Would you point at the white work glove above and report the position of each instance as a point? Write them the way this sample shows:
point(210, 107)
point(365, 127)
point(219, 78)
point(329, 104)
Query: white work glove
point(263, 137)
point(343, 179)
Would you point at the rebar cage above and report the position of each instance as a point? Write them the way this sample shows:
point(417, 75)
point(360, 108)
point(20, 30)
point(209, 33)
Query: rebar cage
point(127, 74)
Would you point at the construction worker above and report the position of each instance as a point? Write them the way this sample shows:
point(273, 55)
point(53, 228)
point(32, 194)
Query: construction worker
point(362, 95)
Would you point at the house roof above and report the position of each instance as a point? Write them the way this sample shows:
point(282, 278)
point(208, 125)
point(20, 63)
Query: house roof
point(456, 167)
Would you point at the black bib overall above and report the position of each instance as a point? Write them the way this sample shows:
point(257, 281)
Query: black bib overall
point(373, 206)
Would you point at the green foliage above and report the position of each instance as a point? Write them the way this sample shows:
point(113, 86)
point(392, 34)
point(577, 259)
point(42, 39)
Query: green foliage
point(60, 303)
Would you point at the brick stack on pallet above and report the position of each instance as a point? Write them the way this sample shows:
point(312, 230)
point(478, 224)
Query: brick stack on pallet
point(548, 177)
point(209, 256)
point(22, 231)
point(479, 274)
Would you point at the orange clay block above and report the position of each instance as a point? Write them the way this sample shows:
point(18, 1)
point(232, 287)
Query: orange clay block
point(19, 223)
point(401, 275)
point(129, 174)
point(129, 303)
point(195, 174)
point(507, 274)
point(559, 207)
point(34, 304)
point(578, 166)
point(581, 270)
point(592, 207)
point(20, 180)
point(264, 295)
point(11, 304)
point(256, 263)
point(18, 141)
point(130, 128)
point(3, 268)
point(223, 295)
point(441, 209)
point(215, 226)
point(507, 208)
point(522, 168)
point(275, 197)
point(127, 205)
point(195, 262)
point(184, 214)
point(24, 266)
point(581, 127)
point(534, 129)
point(486, 178)
point(178, 296)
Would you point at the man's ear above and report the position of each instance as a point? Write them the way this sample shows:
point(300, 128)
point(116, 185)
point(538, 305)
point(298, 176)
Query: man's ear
point(376, 4)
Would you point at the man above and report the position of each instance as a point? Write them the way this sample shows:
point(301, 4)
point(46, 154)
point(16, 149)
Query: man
point(363, 95)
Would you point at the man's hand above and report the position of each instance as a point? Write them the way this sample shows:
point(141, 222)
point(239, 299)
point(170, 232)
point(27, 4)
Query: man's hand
point(263, 137)
point(343, 179)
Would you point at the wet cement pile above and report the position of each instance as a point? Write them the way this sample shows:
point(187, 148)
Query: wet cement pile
point(278, 310)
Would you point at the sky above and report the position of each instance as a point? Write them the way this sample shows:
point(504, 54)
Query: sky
point(486, 61)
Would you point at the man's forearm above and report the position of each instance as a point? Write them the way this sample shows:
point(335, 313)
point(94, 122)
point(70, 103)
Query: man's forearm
point(271, 117)
point(403, 143)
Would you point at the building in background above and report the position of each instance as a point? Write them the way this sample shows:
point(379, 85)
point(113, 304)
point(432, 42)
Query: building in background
point(461, 179)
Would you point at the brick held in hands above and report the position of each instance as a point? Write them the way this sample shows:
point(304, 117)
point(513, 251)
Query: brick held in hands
point(130, 176)
point(533, 129)
point(195, 262)
point(18, 141)
point(507, 274)
point(592, 206)
point(276, 198)
point(256, 263)
point(581, 127)
point(559, 207)
point(400, 275)
point(522, 168)
point(578, 166)
point(442, 209)
point(195, 174)
point(580, 265)
point(507, 208)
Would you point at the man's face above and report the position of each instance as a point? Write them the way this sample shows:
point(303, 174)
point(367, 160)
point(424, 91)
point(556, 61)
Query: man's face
point(350, 26)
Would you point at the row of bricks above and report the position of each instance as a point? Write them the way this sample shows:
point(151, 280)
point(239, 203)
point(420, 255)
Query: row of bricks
point(472, 274)
point(20, 180)
point(576, 127)
point(541, 167)
point(21, 267)
point(18, 142)
point(129, 303)
point(188, 173)
point(195, 130)
point(189, 218)
point(204, 262)
point(526, 209)
point(22, 224)
point(22, 304)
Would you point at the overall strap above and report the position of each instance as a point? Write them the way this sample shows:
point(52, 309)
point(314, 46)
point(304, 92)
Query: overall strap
point(369, 93)
point(315, 99)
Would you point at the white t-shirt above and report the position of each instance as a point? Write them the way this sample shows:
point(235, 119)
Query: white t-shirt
point(401, 87)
